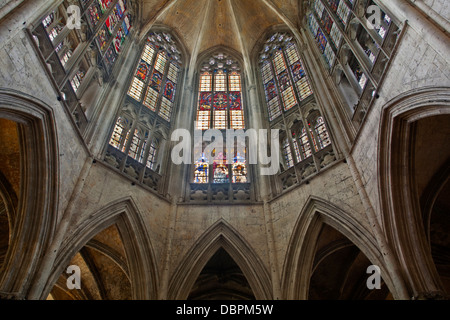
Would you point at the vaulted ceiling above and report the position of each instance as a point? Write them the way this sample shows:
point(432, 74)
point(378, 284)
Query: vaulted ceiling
point(204, 24)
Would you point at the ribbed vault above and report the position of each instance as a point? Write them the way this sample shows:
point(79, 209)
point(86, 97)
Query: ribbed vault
point(204, 24)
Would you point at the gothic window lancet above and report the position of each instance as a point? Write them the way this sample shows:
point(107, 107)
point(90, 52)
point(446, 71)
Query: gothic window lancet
point(156, 77)
point(220, 106)
point(292, 108)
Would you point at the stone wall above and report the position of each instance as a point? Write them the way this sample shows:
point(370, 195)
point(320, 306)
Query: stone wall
point(416, 65)
point(21, 71)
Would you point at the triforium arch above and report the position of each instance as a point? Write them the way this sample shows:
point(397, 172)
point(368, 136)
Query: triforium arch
point(400, 205)
point(220, 235)
point(124, 213)
point(36, 216)
point(301, 250)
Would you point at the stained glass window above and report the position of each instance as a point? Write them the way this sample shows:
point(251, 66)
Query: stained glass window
point(220, 103)
point(287, 153)
point(119, 133)
point(201, 174)
point(220, 106)
point(283, 74)
point(323, 139)
point(152, 155)
point(156, 77)
point(76, 80)
point(136, 140)
point(343, 12)
point(135, 145)
point(305, 145)
point(220, 169)
point(239, 169)
point(271, 92)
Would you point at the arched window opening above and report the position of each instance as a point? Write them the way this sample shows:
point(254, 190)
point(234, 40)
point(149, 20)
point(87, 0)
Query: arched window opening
point(156, 78)
point(136, 147)
point(80, 60)
point(220, 169)
point(221, 107)
point(120, 134)
point(239, 168)
point(284, 77)
point(201, 170)
point(287, 153)
point(349, 43)
point(320, 134)
point(152, 155)
point(223, 175)
point(305, 143)
point(301, 143)
point(220, 101)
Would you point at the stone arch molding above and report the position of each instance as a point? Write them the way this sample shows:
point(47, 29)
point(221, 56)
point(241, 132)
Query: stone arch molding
point(220, 235)
point(299, 260)
point(400, 209)
point(142, 268)
point(36, 216)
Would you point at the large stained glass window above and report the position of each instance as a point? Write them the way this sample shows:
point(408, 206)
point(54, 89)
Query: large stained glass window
point(220, 104)
point(284, 77)
point(156, 78)
point(290, 98)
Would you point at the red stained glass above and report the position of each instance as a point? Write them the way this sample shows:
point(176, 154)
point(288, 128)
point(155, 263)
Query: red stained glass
point(220, 101)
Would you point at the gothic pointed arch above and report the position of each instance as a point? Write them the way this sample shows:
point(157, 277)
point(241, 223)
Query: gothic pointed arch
point(220, 235)
point(398, 187)
point(141, 265)
point(301, 252)
point(36, 216)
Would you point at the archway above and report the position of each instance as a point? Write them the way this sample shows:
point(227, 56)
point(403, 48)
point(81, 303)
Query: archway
point(325, 233)
point(33, 223)
point(115, 234)
point(220, 236)
point(413, 131)
point(221, 279)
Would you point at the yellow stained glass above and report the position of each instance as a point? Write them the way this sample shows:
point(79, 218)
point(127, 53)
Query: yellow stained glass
point(220, 82)
point(279, 63)
point(267, 73)
point(166, 109)
point(289, 98)
point(161, 62)
point(203, 120)
point(148, 54)
point(136, 88)
point(220, 119)
point(235, 82)
point(292, 54)
point(237, 119)
point(304, 89)
point(172, 75)
point(206, 82)
point(151, 99)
